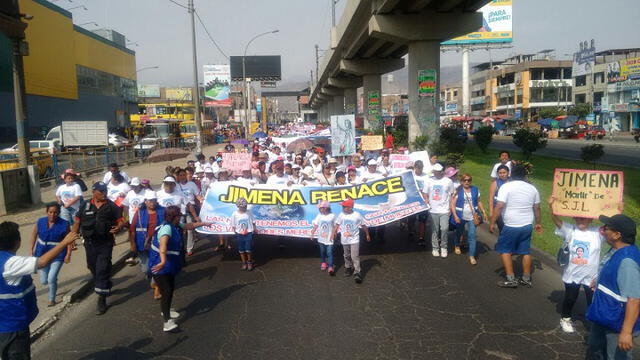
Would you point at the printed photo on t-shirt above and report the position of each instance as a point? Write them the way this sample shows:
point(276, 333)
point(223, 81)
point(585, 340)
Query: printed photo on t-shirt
point(325, 228)
point(436, 193)
point(580, 253)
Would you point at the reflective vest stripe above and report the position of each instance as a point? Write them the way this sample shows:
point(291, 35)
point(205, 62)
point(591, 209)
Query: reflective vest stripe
point(176, 253)
point(610, 292)
point(18, 295)
point(141, 229)
point(47, 243)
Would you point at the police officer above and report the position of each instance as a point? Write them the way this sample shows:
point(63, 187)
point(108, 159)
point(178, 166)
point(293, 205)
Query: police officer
point(98, 221)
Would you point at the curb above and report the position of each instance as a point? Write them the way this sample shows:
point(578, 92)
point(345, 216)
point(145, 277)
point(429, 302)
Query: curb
point(74, 295)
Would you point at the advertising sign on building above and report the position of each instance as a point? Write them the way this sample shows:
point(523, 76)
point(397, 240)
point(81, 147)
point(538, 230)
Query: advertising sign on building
point(217, 85)
point(148, 91)
point(497, 19)
point(585, 59)
point(178, 94)
point(613, 72)
point(630, 68)
point(427, 82)
point(451, 107)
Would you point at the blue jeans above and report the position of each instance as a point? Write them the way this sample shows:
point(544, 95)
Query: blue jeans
point(244, 242)
point(471, 235)
point(49, 275)
point(326, 253)
point(603, 344)
point(67, 214)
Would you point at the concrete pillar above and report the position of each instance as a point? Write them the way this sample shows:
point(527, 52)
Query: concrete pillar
point(424, 116)
point(372, 86)
point(322, 113)
point(465, 81)
point(351, 101)
point(330, 108)
point(338, 105)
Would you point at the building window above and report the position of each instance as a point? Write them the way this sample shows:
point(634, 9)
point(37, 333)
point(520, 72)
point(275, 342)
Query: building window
point(455, 93)
point(536, 74)
point(550, 74)
point(581, 80)
point(566, 73)
point(598, 78)
point(581, 98)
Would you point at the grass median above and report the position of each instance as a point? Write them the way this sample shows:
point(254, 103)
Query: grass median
point(479, 165)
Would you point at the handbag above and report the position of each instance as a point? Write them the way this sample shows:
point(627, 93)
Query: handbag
point(477, 218)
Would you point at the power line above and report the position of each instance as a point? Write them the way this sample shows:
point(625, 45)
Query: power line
point(209, 35)
point(177, 3)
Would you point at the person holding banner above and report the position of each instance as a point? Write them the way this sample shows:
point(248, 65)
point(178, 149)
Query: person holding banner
point(326, 177)
point(422, 179)
point(616, 300)
point(352, 175)
point(371, 173)
point(324, 224)
point(349, 223)
point(279, 178)
point(584, 243)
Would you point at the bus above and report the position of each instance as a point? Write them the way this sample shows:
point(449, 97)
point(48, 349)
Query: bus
point(188, 130)
point(150, 112)
point(162, 129)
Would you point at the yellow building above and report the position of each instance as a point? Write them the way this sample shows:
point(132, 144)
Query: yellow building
point(70, 73)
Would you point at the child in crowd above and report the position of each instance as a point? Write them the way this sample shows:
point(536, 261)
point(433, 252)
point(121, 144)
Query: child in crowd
point(349, 224)
point(584, 243)
point(324, 222)
point(242, 223)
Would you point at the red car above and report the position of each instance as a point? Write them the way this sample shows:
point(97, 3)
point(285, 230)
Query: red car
point(595, 132)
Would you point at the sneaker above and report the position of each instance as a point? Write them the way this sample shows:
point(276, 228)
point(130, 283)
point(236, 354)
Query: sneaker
point(435, 253)
point(250, 266)
point(330, 271)
point(348, 272)
point(323, 266)
point(358, 278)
point(524, 282)
point(173, 314)
point(244, 266)
point(169, 325)
point(131, 261)
point(443, 253)
point(566, 325)
point(473, 260)
point(457, 250)
point(508, 284)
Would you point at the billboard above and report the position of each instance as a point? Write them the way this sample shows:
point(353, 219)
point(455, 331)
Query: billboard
point(178, 94)
point(257, 68)
point(496, 27)
point(585, 59)
point(217, 85)
point(148, 91)
point(625, 69)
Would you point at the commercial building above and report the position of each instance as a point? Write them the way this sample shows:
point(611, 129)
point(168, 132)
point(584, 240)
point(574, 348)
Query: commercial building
point(70, 74)
point(450, 99)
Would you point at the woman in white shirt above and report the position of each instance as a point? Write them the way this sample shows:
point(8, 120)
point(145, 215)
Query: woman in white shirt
point(117, 189)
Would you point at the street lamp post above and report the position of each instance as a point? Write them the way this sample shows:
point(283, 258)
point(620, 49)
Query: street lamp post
point(246, 83)
point(196, 95)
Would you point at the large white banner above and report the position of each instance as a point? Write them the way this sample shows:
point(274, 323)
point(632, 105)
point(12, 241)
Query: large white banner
point(584, 60)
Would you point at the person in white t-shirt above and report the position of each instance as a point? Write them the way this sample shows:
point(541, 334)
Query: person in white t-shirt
point(584, 244)
point(422, 181)
point(69, 196)
point(371, 174)
point(356, 161)
point(505, 159)
point(519, 205)
point(242, 222)
point(279, 178)
point(117, 189)
point(296, 178)
point(247, 179)
point(134, 198)
point(438, 191)
point(324, 224)
point(169, 196)
point(384, 166)
point(349, 223)
point(114, 169)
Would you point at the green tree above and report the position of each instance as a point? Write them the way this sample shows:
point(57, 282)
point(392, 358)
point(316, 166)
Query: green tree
point(550, 113)
point(483, 137)
point(529, 140)
point(420, 142)
point(592, 153)
point(581, 110)
point(451, 140)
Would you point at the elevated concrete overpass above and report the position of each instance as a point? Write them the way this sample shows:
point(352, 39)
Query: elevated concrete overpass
point(372, 39)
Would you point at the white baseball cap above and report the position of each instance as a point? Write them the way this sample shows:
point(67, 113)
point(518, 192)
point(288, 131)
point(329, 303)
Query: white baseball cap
point(150, 195)
point(372, 162)
point(437, 167)
point(208, 170)
point(135, 182)
point(169, 179)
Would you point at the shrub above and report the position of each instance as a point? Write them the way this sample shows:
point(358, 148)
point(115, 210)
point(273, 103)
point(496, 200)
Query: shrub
point(455, 160)
point(483, 137)
point(529, 140)
point(451, 140)
point(420, 142)
point(591, 153)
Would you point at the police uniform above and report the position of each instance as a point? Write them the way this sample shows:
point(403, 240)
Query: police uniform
point(95, 227)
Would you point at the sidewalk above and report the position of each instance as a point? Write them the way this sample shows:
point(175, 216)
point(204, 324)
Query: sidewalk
point(72, 279)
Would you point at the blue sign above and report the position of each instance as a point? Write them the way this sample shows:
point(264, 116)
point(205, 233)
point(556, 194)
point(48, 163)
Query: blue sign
point(518, 114)
point(289, 210)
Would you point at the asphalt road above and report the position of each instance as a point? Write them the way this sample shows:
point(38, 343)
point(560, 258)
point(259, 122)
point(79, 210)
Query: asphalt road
point(624, 153)
point(410, 306)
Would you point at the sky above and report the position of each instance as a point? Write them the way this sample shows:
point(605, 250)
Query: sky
point(161, 31)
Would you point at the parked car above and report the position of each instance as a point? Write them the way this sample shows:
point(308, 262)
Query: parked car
point(49, 145)
point(41, 158)
point(117, 142)
point(145, 147)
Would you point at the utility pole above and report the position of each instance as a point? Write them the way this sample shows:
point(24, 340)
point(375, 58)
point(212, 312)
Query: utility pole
point(318, 61)
point(196, 95)
point(333, 12)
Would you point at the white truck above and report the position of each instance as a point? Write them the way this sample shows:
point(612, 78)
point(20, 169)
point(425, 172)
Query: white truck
point(80, 134)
